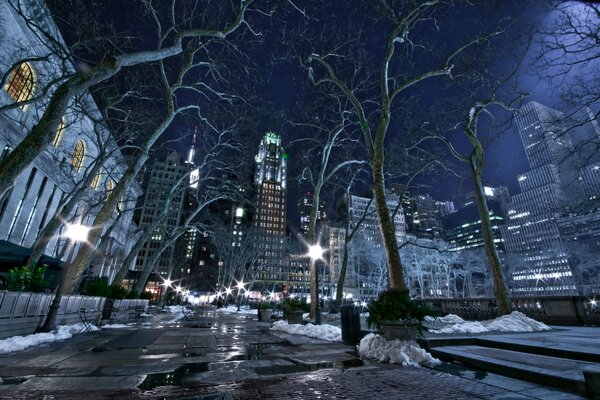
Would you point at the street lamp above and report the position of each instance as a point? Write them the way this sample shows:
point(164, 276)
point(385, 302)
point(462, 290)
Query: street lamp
point(315, 252)
point(77, 232)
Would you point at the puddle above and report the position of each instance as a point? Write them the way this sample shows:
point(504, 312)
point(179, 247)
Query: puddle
point(174, 378)
point(290, 369)
point(253, 352)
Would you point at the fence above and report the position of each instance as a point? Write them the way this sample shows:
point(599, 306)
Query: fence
point(575, 310)
point(21, 313)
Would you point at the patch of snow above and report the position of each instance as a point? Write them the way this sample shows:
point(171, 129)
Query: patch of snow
point(448, 319)
point(326, 332)
point(232, 309)
point(514, 322)
point(395, 351)
point(115, 326)
point(19, 343)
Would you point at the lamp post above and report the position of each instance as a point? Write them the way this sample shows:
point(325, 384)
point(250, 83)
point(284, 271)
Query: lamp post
point(315, 252)
point(240, 290)
point(166, 284)
point(74, 233)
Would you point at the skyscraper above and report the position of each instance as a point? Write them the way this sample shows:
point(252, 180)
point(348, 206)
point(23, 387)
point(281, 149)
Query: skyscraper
point(270, 211)
point(532, 231)
point(305, 206)
point(165, 180)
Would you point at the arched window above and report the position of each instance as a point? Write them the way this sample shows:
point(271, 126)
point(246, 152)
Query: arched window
point(59, 132)
point(78, 153)
point(21, 83)
point(96, 181)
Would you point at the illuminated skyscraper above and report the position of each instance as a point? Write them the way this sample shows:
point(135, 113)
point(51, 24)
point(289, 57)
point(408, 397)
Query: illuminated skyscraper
point(270, 212)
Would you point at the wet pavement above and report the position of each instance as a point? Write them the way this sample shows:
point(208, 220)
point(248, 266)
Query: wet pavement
point(230, 356)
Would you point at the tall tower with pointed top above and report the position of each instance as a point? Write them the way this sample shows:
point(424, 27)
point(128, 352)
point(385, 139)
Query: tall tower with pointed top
point(270, 211)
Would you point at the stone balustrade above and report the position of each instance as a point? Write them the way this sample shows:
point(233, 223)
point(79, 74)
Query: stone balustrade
point(21, 313)
point(574, 310)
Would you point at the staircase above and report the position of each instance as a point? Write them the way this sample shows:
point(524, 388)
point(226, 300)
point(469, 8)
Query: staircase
point(567, 365)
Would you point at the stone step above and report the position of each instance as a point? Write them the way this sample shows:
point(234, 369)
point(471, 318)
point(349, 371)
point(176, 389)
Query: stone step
point(560, 350)
point(546, 370)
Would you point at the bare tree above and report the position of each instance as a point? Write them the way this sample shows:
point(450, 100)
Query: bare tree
point(172, 39)
point(400, 71)
point(327, 152)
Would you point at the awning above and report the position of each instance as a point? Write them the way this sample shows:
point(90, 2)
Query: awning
point(17, 256)
point(12, 256)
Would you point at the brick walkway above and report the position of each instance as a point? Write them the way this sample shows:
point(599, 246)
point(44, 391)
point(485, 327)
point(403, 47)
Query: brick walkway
point(73, 370)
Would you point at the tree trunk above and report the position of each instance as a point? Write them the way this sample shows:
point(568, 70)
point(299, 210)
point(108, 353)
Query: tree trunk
point(500, 289)
point(339, 291)
point(50, 321)
point(387, 228)
point(311, 239)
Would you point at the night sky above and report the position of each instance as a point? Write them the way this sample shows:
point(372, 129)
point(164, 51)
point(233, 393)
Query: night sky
point(277, 90)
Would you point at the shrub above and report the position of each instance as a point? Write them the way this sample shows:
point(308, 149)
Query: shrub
point(21, 279)
point(290, 305)
point(146, 296)
point(117, 292)
point(266, 306)
point(393, 305)
point(98, 287)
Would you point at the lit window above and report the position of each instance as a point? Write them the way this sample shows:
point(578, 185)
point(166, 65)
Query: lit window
point(59, 132)
point(110, 185)
point(96, 181)
point(21, 83)
point(78, 153)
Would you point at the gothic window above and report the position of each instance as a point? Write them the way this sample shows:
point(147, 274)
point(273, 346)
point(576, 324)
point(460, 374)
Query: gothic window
point(59, 132)
point(78, 154)
point(21, 83)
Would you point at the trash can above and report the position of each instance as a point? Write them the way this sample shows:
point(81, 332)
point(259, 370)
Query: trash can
point(350, 324)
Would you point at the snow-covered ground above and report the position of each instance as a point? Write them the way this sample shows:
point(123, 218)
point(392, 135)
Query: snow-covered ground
point(395, 351)
point(115, 326)
point(176, 312)
point(514, 322)
point(19, 343)
point(243, 310)
point(326, 332)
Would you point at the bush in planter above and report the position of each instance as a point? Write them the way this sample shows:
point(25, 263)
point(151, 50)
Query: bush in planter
point(291, 305)
point(394, 305)
point(265, 311)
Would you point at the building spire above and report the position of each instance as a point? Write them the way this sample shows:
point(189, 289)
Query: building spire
point(192, 153)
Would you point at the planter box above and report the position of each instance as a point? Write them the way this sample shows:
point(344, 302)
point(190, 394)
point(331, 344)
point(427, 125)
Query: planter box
point(294, 317)
point(399, 330)
point(265, 314)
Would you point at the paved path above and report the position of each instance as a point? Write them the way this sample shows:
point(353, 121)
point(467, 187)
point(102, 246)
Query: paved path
point(237, 357)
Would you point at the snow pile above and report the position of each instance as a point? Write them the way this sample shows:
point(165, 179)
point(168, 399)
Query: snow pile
point(514, 322)
point(326, 332)
point(18, 343)
point(395, 351)
point(243, 310)
point(448, 319)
